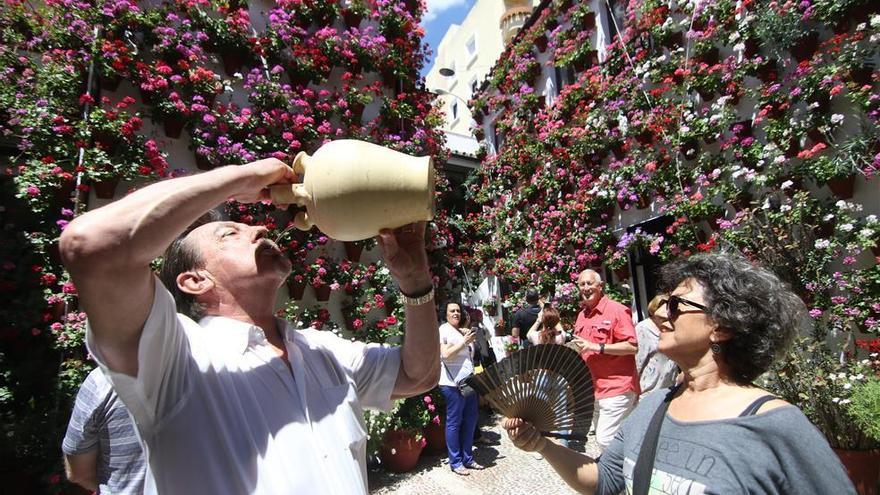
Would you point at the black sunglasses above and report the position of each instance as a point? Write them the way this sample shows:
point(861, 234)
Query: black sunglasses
point(673, 302)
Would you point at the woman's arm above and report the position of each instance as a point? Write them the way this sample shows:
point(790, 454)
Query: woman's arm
point(449, 350)
point(533, 335)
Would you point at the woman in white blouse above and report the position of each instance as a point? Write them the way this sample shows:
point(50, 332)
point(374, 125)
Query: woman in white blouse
point(461, 411)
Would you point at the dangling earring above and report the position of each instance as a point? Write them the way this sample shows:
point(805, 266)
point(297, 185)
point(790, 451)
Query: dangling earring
point(716, 348)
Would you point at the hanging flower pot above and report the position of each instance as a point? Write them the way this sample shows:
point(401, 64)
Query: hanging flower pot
point(842, 187)
point(106, 188)
point(352, 19)
point(674, 40)
point(622, 272)
point(203, 163)
point(109, 82)
point(322, 292)
point(173, 127)
point(643, 202)
point(353, 250)
point(806, 47)
point(863, 468)
point(232, 62)
point(296, 289)
point(541, 43)
point(767, 71)
point(400, 451)
point(690, 149)
point(148, 97)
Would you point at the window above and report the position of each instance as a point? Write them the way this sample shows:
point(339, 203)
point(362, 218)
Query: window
point(471, 46)
point(454, 110)
point(616, 12)
point(474, 86)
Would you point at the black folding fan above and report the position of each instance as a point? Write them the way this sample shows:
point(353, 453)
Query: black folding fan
point(547, 385)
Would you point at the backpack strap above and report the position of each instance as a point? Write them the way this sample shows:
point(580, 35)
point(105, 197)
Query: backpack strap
point(648, 451)
point(752, 408)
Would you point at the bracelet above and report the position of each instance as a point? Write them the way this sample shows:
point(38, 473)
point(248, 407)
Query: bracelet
point(418, 299)
point(601, 348)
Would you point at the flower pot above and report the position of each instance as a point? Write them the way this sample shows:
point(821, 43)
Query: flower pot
point(107, 142)
point(710, 56)
point(842, 187)
point(622, 273)
point(203, 163)
point(541, 43)
point(352, 19)
point(768, 71)
point(295, 289)
point(752, 48)
point(674, 40)
point(232, 62)
point(861, 75)
point(690, 149)
point(148, 97)
point(173, 127)
point(435, 437)
point(400, 451)
point(353, 250)
point(643, 202)
point(106, 188)
point(863, 468)
point(322, 292)
point(806, 47)
point(109, 83)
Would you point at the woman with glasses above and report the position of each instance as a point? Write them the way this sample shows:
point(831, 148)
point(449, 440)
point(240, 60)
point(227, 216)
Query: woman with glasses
point(724, 322)
point(656, 371)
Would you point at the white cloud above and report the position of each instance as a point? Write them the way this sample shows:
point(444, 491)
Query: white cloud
point(436, 7)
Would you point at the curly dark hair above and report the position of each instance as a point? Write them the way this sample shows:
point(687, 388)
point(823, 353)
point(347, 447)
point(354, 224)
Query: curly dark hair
point(760, 311)
point(180, 257)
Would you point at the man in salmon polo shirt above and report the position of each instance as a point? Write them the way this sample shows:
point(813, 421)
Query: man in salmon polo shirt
point(606, 336)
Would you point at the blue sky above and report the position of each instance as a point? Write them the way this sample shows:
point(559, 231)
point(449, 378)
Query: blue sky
point(439, 15)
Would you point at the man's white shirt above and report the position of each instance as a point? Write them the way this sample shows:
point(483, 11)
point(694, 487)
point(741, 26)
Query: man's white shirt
point(219, 412)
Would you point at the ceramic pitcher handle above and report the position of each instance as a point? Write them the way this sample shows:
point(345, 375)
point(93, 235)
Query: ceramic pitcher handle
point(302, 221)
point(290, 194)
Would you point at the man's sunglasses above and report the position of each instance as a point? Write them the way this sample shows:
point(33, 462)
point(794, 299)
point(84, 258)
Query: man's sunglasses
point(673, 304)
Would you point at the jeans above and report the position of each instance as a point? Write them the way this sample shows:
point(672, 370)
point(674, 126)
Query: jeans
point(461, 421)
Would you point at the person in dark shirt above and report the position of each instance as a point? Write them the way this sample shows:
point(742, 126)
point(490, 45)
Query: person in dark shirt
point(525, 317)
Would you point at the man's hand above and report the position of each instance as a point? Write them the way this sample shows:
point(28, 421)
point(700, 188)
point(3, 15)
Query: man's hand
point(585, 345)
point(404, 253)
point(523, 435)
point(258, 176)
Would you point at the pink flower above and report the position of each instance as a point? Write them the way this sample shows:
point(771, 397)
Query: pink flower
point(427, 399)
point(32, 190)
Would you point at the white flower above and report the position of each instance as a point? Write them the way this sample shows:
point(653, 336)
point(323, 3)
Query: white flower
point(847, 227)
point(836, 118)
point(828, 217)
point(860, 376)
point(845, 402)
point(841, 375)
point(786, 184)
point(785, 208)
point(871, 218)
point(779, 159)
point(835, 400)
point(822, 243)
point(847, 386)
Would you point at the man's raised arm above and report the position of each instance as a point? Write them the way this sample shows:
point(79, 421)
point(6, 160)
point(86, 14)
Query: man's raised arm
point(108, 250)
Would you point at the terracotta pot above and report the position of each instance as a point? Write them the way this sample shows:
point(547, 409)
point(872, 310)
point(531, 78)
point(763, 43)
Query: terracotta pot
point(863, 468)
point(322, 292)
point(400, 451)
point(109, 83)
point(353, 250)
point(842, 187)
point(295, 289)
point(106, 189)
point(643, 202)
point(674, 40)
point(435, 437)
point(173, 128)
point(203, 163)
point(232, 62)
point(541, 43)
point(352, 19)
point(806, 47)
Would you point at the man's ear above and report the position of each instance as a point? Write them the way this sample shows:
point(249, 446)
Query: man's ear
point(195, 282)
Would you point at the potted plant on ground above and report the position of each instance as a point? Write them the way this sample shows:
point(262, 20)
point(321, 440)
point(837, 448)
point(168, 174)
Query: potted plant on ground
point(403, 441)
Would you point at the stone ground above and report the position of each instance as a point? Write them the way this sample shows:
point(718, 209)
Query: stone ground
point(508, 471)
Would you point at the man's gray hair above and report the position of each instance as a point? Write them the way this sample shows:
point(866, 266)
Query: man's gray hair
point(181, 256)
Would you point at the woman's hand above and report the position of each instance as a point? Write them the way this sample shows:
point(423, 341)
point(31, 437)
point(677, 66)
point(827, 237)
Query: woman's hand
point(523, 435)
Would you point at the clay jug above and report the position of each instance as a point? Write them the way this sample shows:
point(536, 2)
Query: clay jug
point(351, 189)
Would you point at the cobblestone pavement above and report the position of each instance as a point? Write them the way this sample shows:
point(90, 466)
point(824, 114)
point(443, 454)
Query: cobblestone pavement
point(508, 471)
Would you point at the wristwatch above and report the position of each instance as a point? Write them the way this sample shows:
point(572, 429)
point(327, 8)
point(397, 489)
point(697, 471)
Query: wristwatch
point(602, 348)
point(418, 299)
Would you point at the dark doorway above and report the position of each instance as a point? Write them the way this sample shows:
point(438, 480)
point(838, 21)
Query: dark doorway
point(644, 265)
